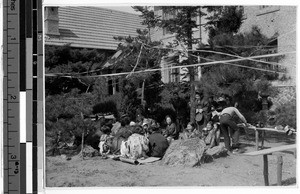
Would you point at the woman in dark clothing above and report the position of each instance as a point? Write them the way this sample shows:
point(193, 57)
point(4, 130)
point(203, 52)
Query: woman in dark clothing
point(158, 144)
point(171, 132)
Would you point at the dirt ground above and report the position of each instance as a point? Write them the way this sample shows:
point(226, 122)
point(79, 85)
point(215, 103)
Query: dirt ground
point(232, 170)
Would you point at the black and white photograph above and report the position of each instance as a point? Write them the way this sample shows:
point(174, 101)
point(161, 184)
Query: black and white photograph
point(170, 95)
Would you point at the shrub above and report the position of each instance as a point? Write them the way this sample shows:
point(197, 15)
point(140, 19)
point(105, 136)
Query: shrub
point(286, 114)
point(105, 107)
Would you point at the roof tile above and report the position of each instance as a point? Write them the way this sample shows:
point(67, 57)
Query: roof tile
point(94, 27)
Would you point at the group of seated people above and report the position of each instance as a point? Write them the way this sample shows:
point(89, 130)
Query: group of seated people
point(135, 139)
point(210, 134)
point(145, 138)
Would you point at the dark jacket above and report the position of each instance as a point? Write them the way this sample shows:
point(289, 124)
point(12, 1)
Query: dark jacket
point(171, 131)
point(158, 145)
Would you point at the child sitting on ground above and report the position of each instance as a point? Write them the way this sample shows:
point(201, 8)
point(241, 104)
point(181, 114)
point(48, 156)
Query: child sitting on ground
point(188, 132)
point(210, 134)
point(217, 132)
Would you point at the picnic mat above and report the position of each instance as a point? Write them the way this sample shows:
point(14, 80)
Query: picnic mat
point(138, 161)
point(148, 160)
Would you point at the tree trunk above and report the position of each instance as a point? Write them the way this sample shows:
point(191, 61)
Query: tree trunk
point(191, 71)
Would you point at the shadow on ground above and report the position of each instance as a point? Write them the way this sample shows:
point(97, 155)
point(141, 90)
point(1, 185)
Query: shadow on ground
point(287, 182)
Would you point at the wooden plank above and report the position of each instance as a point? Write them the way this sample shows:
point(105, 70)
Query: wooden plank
point(262, 128)
point(271, 129)
point(271, 150)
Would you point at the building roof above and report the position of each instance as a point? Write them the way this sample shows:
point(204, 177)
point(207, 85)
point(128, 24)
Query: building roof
point(93, 27)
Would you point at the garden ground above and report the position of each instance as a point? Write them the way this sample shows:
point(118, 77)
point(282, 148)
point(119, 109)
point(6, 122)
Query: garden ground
point(232, 170)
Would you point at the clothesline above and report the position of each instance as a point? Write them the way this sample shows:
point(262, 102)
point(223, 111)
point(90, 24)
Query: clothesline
point(175, 67)
point(174, 49)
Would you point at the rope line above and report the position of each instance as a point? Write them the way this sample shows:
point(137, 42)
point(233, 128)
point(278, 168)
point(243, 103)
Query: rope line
point(175, 67)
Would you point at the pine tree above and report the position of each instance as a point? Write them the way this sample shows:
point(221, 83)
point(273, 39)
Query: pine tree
point(139, 89)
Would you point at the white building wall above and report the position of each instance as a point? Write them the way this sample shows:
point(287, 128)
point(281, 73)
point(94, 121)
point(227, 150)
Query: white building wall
point(272, 20)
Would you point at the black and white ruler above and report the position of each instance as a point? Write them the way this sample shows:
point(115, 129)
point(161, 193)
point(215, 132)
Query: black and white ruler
point(22, 96)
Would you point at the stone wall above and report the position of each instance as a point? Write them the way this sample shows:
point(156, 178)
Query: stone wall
point(286, 94)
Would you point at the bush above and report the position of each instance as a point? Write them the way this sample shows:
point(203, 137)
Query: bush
point(286, 114)
point(106, 107)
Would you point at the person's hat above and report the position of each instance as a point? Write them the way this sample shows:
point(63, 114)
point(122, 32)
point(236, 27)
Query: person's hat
point(220, 99)
point(132, 123)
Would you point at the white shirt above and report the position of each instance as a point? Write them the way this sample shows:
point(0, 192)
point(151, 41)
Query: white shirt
point(231, 111)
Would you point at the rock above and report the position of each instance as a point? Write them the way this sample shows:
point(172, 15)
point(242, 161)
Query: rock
point(217, 151)
point(88, 151)
point(186, 153)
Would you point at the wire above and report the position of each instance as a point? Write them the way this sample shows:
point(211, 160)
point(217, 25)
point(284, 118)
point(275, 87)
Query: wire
point(181, 66)
point(255, 68)
point(186, 50)
point(221, 53)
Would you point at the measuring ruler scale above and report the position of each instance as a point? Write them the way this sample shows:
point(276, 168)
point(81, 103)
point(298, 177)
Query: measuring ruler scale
point(11, 97)
point(22, 96)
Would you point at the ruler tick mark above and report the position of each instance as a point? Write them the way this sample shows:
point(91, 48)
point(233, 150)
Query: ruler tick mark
point(10, 146)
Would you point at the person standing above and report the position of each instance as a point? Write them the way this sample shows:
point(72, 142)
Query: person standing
point(201, 111)
point(180, 106)
point(229, 126)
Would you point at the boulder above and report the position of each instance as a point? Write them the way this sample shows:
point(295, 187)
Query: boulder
point(88, 151)
point(217, 151)
point(186, 153)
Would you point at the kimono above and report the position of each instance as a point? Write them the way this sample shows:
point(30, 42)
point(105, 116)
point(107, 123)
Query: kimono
point(135, 147)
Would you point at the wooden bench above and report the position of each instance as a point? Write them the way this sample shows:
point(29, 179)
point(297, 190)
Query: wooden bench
point(265, 154)
point(263, 129)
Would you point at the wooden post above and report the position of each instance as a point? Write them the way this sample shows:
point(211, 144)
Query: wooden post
point(82, 142)
point(266, 171)
point(279, 169)
point(262, 139)
point(82, 136)
point(256, 139)
point(142, 96)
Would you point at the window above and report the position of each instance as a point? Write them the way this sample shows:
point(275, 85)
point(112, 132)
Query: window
point(175, 75)
point(167, 16)
point(273, 48)
point(110, 87)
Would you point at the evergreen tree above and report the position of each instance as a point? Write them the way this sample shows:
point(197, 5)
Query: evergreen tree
point(137, 55)
point(73, 63)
